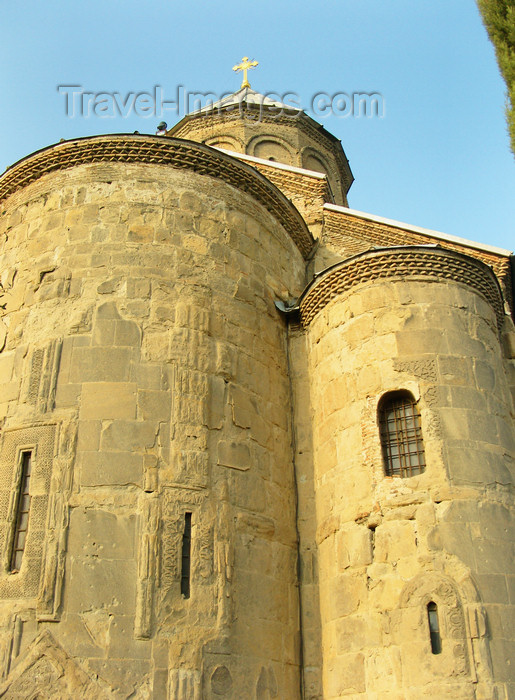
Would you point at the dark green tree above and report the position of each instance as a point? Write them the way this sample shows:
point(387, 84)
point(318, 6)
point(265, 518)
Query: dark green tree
point(499, 20)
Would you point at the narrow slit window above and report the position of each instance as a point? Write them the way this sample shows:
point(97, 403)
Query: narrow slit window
point(22, 513)
point(434, 628)
point(401, 435)
point(186, 556)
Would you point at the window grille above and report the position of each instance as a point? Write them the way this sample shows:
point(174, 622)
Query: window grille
point(401, 435)
point(22, 513)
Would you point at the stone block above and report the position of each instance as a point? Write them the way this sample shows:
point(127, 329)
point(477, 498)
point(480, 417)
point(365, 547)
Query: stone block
point(234, 454)
point(216, 402)
point(357, 330)
point(127, 333)
point(95, 532)
point(384, 673)
point(129, 435)
point(357, 633)
point(6, 366)
point(456, 539)
point(345, 593)
point(369, 381)
point(88, 437)
point(268, 600)
point(103, 400)
point(343, 675)
point(107, 310)
point(147, 376)
point(482, 427)
point(125, 676)
point(243, 406)
point(100, 584)
point(463, 512)
point(122, 644)
point(493, 588)
point(140, 233)
point(496, 521)
point(160, 682)
point(154, 405)
point(110, 468)
point(475, 467)
point(354, 546)
point(103, 332)
point(492, 555)
point(485, 375)
point(394, 540)
point(247, 491)
point(99, 364)
point(155, 346)
point(9, 391)
point(506, 432)
point(510, 583)
point(455, 423)
point(422, 342)
point(455, 370)
point(503, 653)
point(86, 634)
point(109, 286)
point(67, 395)
point(138, 288)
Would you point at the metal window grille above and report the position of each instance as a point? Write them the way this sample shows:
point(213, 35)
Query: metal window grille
point(22, 513)
point(401, 435)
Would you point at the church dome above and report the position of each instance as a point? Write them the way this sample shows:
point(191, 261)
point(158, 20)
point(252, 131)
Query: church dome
point(251, 123)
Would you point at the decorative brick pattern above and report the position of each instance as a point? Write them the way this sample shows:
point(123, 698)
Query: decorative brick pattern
point(350, 235)
point(296, 184)
point(156, 150)
point(408, 262)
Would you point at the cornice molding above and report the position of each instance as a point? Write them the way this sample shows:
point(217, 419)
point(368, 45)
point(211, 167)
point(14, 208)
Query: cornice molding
point(416, 262)
point(159, 150)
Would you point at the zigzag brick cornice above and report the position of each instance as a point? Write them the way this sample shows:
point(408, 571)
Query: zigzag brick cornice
point(416, 262)
point(350, 234)
point(295, 184)
point(177, 153)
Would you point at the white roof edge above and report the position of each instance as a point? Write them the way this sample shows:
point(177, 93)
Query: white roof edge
point(244, 95)
point(273, 164)
point(418, 229)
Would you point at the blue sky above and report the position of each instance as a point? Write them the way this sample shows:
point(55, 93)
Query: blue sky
point(438, 158)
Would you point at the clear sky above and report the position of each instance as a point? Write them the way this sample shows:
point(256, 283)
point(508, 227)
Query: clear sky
point(439, 156)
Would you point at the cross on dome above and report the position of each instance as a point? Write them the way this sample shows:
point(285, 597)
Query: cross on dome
point(244, 66)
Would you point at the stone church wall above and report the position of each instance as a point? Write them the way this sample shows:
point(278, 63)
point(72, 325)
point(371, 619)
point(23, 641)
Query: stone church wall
point(144, 365)
point(388, 546)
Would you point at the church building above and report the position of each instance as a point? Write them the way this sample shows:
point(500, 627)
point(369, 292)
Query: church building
point(254, 444)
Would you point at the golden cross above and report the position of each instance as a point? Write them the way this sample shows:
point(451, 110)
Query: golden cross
point(245, 65)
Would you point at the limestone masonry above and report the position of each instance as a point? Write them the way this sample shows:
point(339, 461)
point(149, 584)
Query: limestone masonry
point(253, 444)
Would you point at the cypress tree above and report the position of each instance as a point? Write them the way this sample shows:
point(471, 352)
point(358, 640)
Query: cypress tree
point(499, 20)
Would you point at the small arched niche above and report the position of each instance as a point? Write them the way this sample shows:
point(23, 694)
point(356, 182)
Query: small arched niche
point(271, 149)
point(228, 143)
point(431, 630)
point(313, 162)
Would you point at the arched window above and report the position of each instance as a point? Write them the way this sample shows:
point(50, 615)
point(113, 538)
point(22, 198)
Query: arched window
point(401, 435)
point(434, 628)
